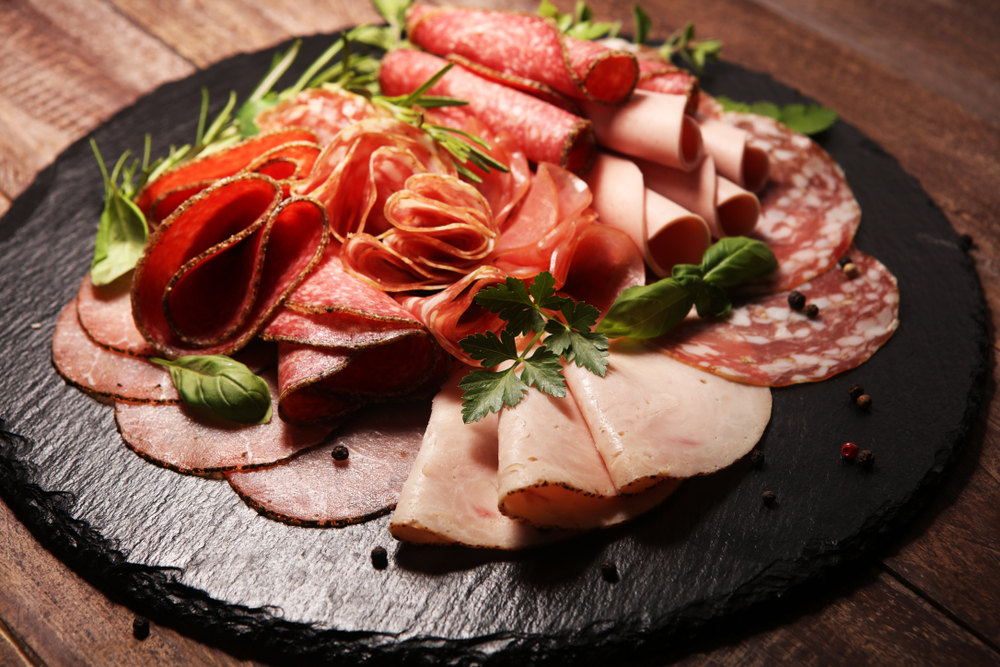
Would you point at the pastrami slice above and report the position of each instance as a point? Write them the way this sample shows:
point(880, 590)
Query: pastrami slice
point(105, 313)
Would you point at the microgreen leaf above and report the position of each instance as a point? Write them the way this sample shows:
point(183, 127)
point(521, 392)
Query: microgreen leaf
point(806, 119)
point(221, 385)
point(122, 231)
point(643, 24)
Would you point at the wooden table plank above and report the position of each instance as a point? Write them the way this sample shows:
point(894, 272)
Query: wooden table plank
point(66, 66)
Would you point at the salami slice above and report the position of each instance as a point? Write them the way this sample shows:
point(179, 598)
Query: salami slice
point(658, 75)
point(191, 440)
point(324, 112)
point(526, 51)
point(316, 490)
point(545, 132)
point(764, 342)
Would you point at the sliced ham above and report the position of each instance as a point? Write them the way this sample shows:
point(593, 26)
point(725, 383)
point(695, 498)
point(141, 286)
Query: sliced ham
point(763, 341)
point(324, 112)
point(654, 418)
point(742, 163)
point(314, 489)
point(192, 440)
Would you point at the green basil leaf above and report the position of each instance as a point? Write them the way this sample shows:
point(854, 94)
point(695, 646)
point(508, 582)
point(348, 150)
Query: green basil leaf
point(811, 119)
point(736, 259)
point(711, 301)
point(221, 385)
point(647, 311)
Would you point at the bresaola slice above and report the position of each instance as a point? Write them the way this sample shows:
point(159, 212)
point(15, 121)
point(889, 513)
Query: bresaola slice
point(314, 489)
point(763, 341)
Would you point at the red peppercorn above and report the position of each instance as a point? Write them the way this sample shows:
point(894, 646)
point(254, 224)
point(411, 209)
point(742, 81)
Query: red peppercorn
point(849, 450)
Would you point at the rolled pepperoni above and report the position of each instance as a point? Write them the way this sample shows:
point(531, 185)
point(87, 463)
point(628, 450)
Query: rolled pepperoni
point(525, 51)
point(545, 132)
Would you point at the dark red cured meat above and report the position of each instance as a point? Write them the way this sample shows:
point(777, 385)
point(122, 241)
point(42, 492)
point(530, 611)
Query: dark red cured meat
point(212, 274)
point(161, 197)
point(764, 342)
point(545, 132)
point(315, 490)
point(525, 51)
point(325, 112)
point(286, 164)
point(188, 439)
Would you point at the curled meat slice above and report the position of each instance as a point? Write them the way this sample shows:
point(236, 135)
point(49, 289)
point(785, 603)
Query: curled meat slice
point(325, 112)
point(605, 262)
point(212, 274)
point(502, 190)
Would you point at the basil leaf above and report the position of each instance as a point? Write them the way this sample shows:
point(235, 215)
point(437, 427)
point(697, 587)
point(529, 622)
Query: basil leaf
point(811, 119)
point(647, 311)
point(221, 385)
point(711, 301)
point(736, 259)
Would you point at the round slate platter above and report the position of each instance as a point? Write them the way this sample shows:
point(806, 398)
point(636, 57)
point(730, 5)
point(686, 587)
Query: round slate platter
point(185, 550)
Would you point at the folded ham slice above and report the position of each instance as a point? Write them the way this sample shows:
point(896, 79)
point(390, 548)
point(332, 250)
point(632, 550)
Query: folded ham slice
point(742, 163)
point(653, 418)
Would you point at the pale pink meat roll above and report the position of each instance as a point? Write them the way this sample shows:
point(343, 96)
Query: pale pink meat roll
point(743, 164)
point(738, 209)
point(652, 126)
point(667, 233)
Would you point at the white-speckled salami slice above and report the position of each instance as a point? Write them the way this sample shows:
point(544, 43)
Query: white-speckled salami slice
point(808, 213)
point(764, 342)
point(315, 490)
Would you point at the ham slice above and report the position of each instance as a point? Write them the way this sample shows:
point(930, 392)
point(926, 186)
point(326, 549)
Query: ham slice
point(742, 163)
point(313, 489)
point(653, 418)
point(191, 440)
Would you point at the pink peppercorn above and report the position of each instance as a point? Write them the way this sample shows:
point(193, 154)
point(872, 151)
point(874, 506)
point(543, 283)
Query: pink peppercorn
point(849, 450)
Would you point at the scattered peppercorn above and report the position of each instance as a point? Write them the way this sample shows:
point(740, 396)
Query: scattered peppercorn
point(796, 300)
point(812, 310)
point(609, 572)
point(851, 270)
point(380, 558)
point(855, 391)
point(844, 261)
point(866, 459)
point(849, 451)
point(340, 453)
point(757, 459)
point(769, 497)
point(865, 402)
point(140, 628)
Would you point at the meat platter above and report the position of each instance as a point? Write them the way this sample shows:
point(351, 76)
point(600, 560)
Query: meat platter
point(185, 551)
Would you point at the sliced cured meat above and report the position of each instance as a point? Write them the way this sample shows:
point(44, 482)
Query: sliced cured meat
point(763, 341)
point(738, 210)
point(605, 263)
point(654, 418)
point(545, 132)
point(652, 126)
point(808, 213)
point(740, 162)
point(313, 489)
point(363, 166)
point(211, 275)
point(551, 475)
point(101, 372)
point(325, 112)
point(105, 313)
point(526, 51)
point(188, 439)
point(658, 75)
point(286, 164)
point(338, 329)
point(666, 233)
point(450, 496)
point(161, 197)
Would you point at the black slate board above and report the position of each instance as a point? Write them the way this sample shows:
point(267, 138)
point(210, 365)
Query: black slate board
point(184, 550)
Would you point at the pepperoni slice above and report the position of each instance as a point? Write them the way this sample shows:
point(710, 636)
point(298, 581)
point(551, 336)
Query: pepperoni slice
point(765, 342)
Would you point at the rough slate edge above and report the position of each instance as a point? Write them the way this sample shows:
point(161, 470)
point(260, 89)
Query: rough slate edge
point(256, 633)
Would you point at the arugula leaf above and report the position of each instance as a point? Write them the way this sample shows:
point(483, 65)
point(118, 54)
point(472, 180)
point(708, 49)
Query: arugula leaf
point(805, 119)
point(221, 385)
point(643, 24)
point(122, 231)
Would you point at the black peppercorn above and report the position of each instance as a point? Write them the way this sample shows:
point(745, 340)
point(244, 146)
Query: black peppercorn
point(380, 558)
point(855, 391)
point(140, 628)
point(796, 300)
point(843, 261)
point(340, 453)
point(865, 402)
point(757, 458)
point(812, 310)
point(769, 498)
point(609, 572)
point(866, 459)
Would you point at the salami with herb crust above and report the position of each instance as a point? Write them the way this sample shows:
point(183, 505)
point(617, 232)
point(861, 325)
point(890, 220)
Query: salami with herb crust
point(764, 342)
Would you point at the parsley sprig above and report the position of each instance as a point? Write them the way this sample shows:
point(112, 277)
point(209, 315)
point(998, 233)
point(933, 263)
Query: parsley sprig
point(561, 327)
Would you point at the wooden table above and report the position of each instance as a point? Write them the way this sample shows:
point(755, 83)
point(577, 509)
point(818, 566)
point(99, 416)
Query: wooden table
point(920, 77)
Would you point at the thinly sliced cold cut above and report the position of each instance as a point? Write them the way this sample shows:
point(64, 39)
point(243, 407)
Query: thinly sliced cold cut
point(742, 163)
point(105, 313)
point(324, 112)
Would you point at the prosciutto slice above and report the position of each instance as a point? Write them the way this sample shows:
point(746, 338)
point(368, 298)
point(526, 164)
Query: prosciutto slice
point(654, 418)
point(763, 341)
point(526, 51)
point(211, 276)
point(313, 489)
point(545, 132)
point(191, 440)
point(325, 112)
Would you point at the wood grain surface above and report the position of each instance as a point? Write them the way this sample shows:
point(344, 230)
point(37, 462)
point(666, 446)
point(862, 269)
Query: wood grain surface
point(919, 77)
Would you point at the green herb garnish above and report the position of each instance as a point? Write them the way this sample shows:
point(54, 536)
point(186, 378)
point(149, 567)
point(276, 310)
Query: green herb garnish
point(652, 310)
point(122, 232)
point(580, 24)
point(221, 385)
point(806, 119)
point(694, 52)
point(563, 325)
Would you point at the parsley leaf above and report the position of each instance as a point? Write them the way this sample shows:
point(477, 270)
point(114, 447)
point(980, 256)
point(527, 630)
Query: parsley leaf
point(576, 340)
point(486, 392)
point(542, 370)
